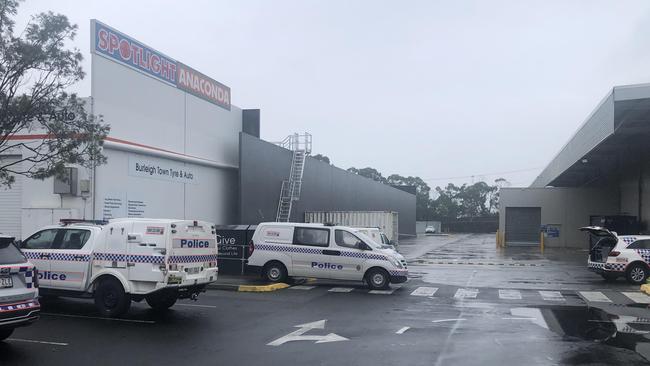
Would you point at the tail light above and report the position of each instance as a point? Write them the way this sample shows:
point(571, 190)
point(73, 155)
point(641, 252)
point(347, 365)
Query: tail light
point(35, 278)
point(251, 248)
point(211, 264)
point(614, 253)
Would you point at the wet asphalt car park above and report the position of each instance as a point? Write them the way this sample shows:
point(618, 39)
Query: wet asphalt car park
point(466, 303)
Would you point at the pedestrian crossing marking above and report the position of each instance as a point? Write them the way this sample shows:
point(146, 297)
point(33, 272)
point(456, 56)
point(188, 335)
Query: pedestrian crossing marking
point(638, 297)
point(302, 287)
point(424, 291)
point(382, 292)
point(509, 295)
point(466, 293)
point(594, 296)
point(551, 295)
point(341, 289)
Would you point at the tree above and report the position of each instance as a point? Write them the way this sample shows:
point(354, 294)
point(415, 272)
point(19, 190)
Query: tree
point(368, 172)
point(322, 158)
point(422, 194)
point(35, 69)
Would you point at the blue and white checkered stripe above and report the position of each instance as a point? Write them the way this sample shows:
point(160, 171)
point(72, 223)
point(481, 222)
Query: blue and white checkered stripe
point(174, 259)
point(644, 253)
point(133, 258)
point(378, 257)
point(596, 265)
point(26, 271)
point(628, 239)
point(54, 256)
point(399, 272)
point(618, 267)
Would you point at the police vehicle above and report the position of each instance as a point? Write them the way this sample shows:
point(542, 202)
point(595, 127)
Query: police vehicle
point(120, 260)
point(282, 250)
point(18, 289)
point(615, 256)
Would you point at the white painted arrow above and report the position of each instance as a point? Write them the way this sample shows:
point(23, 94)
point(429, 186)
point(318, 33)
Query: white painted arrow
point(297, 335)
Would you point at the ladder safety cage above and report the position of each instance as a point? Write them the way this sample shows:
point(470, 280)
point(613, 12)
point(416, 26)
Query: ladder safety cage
point(300, 144)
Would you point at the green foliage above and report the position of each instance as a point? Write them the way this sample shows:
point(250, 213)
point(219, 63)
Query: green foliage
point(322, 158)
point(35, 69)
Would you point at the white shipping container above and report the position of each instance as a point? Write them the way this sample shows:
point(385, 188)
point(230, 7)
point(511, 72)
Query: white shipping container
point(386, 221)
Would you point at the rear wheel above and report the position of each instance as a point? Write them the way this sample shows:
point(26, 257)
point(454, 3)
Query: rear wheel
point(637, 273)
point(5, 333)
point(377, 279)
point(161, 301)
point(275, 272)
point(110, 298)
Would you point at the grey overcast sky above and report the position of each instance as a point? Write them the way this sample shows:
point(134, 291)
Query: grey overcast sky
point(436, 89)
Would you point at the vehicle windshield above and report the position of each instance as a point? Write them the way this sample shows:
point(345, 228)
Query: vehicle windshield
point(9, 254)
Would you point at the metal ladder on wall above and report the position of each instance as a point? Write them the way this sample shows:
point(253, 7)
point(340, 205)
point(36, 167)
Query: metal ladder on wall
point(300, 144)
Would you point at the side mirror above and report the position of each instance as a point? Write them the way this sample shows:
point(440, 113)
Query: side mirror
point(19, 243)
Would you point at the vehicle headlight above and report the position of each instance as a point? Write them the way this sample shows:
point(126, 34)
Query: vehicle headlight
point(395, 262)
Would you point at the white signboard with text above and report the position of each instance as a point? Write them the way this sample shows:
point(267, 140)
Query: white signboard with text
point(148, 167)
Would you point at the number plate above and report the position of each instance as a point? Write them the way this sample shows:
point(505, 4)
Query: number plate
point(194, 270)
point(6, 281)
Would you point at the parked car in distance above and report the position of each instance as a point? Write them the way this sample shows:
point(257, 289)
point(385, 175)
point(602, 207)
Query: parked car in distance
point(430, 230)
point(19, 304)
point(281, 250)
point(616, 256)
point(123, 260)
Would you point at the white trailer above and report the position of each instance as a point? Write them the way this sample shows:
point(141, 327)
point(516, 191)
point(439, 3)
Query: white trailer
point(386, 221)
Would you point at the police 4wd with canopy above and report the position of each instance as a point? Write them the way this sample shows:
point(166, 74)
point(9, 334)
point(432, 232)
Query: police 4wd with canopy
point(616, 256)
point(120, 260)
point(282, 250)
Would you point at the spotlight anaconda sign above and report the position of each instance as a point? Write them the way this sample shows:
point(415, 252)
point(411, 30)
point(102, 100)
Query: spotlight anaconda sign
point(125, 50)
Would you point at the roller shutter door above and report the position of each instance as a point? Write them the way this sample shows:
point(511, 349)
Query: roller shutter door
point(10, 205)
point(523, 225)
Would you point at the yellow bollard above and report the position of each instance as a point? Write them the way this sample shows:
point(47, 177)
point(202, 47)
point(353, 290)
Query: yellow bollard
point(541, 241)
point(498, 243)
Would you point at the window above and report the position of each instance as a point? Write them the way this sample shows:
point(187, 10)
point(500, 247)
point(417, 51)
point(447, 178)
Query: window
point(9, 254)
point(41, 240)
point(384, 239)
point(311, 236)
point(346, 239)
point(74, 239)
point(640, 244)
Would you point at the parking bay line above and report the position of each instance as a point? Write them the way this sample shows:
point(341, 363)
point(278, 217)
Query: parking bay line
point(198, 305)
point(382, 292)
point(638, 297)
point(302, 287)
point(594, 296)
point(39, 342)
point(466, 293)
point(402, 330)
point(551, 295)
point(100, 318)
point(509, 295)
point(341, 289)
point(424, 291)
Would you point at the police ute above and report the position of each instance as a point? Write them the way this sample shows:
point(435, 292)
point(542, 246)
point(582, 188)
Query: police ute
point(282, 250)
point(123, 260)
point(615, 256)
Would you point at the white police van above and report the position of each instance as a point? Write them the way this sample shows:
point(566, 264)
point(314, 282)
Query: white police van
point(281, 250)
point(120, 260)
point(615, 256)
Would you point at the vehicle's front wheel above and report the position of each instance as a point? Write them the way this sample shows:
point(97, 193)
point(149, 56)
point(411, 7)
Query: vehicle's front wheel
point(110, 298)
point(5, 333)
point(377, 279)
point(637, 274)
point(161, 301)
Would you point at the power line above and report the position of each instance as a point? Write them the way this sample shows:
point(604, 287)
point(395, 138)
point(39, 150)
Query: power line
point(476, 175)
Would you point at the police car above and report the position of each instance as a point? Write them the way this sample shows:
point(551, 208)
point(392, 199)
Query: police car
point(616, 256)
point(282, 250)
point(117, 261)
point(18, 289)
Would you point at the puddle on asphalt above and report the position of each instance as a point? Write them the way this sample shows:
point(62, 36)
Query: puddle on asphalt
point(592, 324)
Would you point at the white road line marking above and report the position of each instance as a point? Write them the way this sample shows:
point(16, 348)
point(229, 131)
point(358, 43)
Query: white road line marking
point(447, 320)
point(40, 342)
point(402, 330)
point(302, 287)
point(341, 289)
point(424, 291)
point(197, 305)
point(100, 318)
point(509, 294)
point(594, 296)
point(638, 297)
point(382, 292)
point(517, 318)
point(551, 295)
point(466, 293)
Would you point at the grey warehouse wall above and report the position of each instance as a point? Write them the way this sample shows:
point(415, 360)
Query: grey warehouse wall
point(263, 167)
